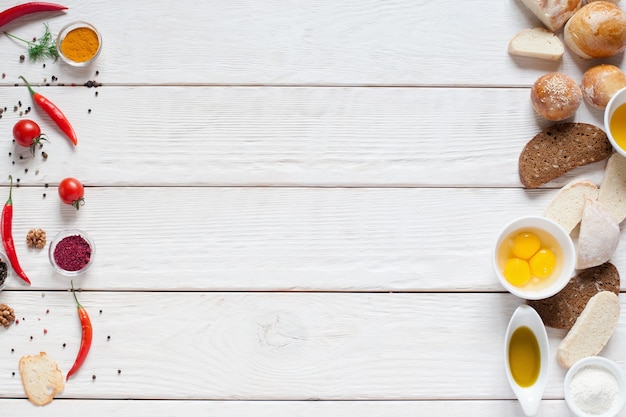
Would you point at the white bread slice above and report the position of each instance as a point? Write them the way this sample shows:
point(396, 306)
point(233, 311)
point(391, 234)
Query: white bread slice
point(598, 237)
point(537, 43)
point(591, 331)
point(566, 208)
point(553, 13)
point(613, 187)
point(41, 377)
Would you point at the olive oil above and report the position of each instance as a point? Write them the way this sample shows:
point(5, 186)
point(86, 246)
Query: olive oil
point(617, 124)
point(524, 357)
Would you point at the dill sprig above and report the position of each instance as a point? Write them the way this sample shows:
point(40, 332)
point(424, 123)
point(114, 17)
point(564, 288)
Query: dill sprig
point(42, 48)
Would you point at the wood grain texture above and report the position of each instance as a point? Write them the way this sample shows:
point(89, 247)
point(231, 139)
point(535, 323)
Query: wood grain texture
point(275, 346)
point(353, 42)
point(251, 239)
point(131, 408)
point(409, 137)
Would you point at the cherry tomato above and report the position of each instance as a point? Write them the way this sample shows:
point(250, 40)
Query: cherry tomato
point(72, 192)
point(28, 134)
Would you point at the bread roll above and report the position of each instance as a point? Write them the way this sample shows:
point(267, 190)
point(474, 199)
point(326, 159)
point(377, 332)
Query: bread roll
point(555, 96)
point(600, 83)
point(553, 13)
point(597, 30)
point(599, 235)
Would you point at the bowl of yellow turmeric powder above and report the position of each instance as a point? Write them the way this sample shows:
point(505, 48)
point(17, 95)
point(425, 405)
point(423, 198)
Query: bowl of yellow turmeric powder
point(79, 43)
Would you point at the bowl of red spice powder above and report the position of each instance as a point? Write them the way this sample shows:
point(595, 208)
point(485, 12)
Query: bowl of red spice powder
point(71, 252)
point(79, 43)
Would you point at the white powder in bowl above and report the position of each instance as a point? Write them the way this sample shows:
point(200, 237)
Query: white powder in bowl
point(594, 390)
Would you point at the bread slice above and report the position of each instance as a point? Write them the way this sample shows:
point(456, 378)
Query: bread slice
point(566, 208)
point(561, 310)
point(613, 187)
point(598, 237)
point(592, 330)
point(559, 149)
point(553, 13)
point(537, 43)
point(41, 377)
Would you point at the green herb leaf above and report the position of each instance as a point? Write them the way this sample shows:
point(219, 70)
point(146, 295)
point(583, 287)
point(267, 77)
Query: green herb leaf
point(41, 49)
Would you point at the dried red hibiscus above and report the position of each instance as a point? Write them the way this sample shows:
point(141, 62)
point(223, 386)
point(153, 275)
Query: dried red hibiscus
point(72, 253)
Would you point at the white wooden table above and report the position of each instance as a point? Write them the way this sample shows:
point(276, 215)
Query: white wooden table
point(293, 205)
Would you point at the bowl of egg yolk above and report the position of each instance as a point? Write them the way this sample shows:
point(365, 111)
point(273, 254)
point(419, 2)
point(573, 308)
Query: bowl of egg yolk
point(534, 257)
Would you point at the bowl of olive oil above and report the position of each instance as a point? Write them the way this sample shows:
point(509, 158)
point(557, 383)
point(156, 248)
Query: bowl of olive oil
point(527, 357)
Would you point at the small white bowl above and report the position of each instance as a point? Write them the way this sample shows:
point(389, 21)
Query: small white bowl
point(529, 397)
point(602, 363)
point(616, 100)
point(5, 260)
point(65, 31)
point(566, 260)
point(55, 242)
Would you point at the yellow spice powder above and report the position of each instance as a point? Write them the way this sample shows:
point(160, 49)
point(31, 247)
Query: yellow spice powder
point(80, 44)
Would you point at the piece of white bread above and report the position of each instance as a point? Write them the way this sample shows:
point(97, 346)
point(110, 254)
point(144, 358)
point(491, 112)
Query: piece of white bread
point(553, 13)
point(591, 331)
point(41, 377)
point(613, 187)
point(566, 208)
point(537, 43)
point(598, 237)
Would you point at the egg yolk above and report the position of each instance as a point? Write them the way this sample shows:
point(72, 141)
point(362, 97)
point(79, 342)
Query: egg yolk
point(525, 245)
point(542, 263)
point(517, 271)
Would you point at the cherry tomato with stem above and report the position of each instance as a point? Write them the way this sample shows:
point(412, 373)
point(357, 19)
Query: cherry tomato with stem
point(72, 192)
point(27, 133)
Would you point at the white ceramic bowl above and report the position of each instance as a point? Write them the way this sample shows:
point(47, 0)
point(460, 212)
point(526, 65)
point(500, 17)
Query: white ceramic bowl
point(617, 100)
point(53, 247)
point(607, 365)
point(529, 397)
point(566, 260)
point(5, 260)
point(67, 29)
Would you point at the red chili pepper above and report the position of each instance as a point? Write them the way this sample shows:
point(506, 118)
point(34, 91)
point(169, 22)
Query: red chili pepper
point(54, 112)
point(85, 342)
point(26, 8)
point(6, 231)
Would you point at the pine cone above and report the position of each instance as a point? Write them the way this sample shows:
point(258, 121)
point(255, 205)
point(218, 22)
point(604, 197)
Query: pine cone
point(7, 315)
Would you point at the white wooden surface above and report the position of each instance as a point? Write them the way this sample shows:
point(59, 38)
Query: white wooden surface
point(293, 205)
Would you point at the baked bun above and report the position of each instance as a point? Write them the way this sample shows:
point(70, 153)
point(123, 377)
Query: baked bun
point(555, 96)
point(553, 13)
point(597, 30)
point(600, 83)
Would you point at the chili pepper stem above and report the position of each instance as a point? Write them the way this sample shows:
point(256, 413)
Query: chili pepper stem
point(74, 293)
point(30, 89)
point(10, 199)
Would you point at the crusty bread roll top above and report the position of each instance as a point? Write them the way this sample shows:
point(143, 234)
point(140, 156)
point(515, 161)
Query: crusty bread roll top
point(597, 30)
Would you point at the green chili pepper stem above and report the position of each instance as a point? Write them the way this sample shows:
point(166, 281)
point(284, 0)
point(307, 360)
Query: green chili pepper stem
point(10, 199)
point(32, 92)
point(74, 293)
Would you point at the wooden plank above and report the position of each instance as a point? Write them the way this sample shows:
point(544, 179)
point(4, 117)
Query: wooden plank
point(284, 136)
point(276, 346)
point(257, 239)
point(353, 42)
point(118, 408)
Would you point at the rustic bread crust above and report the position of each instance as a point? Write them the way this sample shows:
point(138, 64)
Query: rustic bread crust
point(561, 310)
point(559, 149)
point(41, 377)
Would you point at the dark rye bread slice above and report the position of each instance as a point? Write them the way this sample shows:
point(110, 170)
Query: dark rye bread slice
point(561, 310)
point(559, 149)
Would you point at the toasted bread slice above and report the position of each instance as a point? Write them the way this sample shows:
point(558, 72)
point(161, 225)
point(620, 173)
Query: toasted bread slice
point(592, 329)
point(559, 149)
point(561, 310)
point(566, 208)
point(537, 43)
point(613, 187)
point(41, 377)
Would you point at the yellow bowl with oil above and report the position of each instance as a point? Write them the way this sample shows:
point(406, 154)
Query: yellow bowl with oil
point(615, 121)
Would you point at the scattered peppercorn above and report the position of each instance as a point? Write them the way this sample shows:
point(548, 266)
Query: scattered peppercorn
point(44, 155)
point(100, 311)
point(13, 373)
point(31, 338)
point(45, 331)
point(63, 345)
point(93, 377)
point(108, 337)
point(88, 111)
point(22, 58)
point(47, 311)
point(97, 72)
point(12, 350)
point(119, 371)
point(44, 195)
